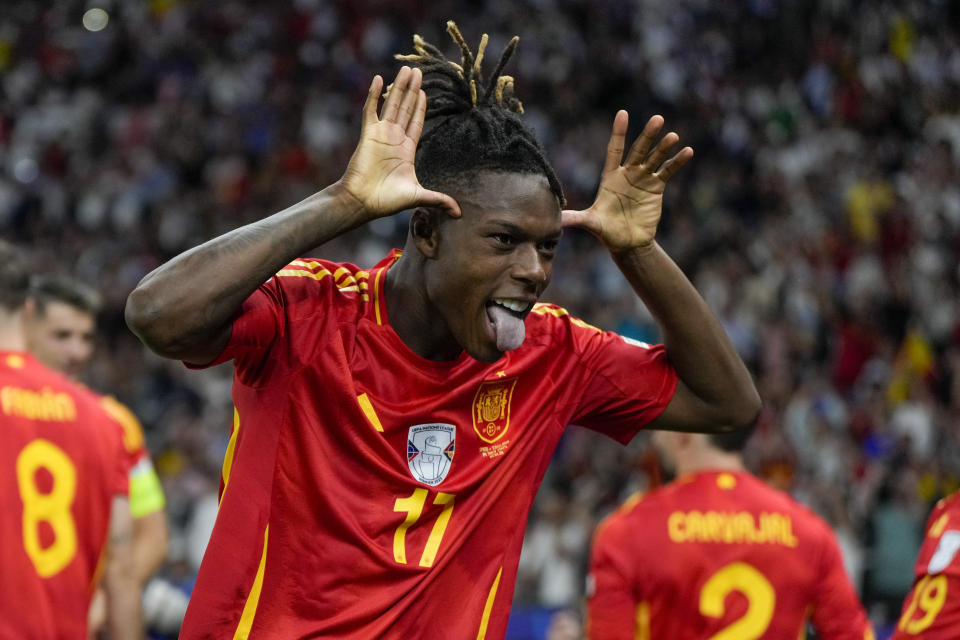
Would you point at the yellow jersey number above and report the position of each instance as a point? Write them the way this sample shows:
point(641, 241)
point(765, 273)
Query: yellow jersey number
point(52, 507)
point(412, 505)
point(929, 596)
point(761, 598)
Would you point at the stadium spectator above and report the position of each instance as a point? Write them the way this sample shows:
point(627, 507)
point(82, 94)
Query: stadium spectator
point(355, 388)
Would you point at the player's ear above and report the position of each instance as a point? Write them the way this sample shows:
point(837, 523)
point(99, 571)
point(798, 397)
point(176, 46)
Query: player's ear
point(425, 232)
point(29, 309)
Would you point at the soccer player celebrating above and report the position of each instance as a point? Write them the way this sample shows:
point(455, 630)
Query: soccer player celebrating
point(63, 484)
point(392, 423)
point(932, 608)
point(717, 554)
point(61, 323)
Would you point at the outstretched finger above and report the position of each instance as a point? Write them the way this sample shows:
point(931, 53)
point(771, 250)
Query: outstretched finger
point(391, 106)
point(618, 136)
point(373, 98)
point(410, 96)
point(674, 164)
point(655, 159)
point(415, 128)
point(644, 141)
point(427, 198)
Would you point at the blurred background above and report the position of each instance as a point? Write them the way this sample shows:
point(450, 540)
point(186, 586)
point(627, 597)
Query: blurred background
point(820, 218)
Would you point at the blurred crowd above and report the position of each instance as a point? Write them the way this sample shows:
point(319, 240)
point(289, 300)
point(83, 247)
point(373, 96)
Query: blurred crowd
point(820, 218)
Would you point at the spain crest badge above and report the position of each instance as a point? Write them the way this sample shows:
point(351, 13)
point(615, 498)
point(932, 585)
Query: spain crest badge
point(491, 408)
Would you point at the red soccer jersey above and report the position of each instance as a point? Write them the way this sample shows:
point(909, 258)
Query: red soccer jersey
point(59, 471)
point(719, 555)
point(372, 493)
point(932, 608)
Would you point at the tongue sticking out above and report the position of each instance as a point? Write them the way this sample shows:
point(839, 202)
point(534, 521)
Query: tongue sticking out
point(508, 328)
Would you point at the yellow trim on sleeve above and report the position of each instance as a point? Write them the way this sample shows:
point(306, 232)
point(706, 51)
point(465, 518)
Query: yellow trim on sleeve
point(364, 401)
point(250, 606)
point(488, 607)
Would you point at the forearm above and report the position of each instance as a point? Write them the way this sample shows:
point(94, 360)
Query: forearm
point(150, 543)
point(183, 306)
point(124, 618)
point(124, 621)
point(697, 345)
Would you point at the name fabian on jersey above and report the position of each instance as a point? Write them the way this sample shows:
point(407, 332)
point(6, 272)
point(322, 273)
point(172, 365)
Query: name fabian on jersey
point(731, 527)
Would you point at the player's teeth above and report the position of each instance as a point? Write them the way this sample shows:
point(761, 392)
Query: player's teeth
point(513, 305)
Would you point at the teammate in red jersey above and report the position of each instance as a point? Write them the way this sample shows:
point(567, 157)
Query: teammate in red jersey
point(61, 329)
point(717, 554)
point(393, 424)
point(63, 483)
point(932, 608)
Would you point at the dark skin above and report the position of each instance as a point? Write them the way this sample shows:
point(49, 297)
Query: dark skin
point(502, 248)
point(454, 264)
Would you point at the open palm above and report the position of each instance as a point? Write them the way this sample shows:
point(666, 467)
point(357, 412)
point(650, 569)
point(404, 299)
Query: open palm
point(381, 175)
point(629, 201)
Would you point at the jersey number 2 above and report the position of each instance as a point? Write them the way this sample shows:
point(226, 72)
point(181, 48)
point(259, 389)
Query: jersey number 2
point(761, 598)
point(413, 506)
point(52, 507)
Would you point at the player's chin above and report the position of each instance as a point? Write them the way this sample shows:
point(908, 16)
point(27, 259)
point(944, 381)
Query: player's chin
point(483, 347)
point(486, 353)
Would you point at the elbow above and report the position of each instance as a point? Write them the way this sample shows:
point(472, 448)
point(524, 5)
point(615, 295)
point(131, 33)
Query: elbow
point(144, 315)
point(141, 313)
point(743, 413)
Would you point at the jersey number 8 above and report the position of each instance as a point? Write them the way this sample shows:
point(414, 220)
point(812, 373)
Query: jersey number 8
point(52, 507)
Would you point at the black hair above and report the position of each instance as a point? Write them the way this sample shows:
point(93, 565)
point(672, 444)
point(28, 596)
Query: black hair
point(733, 441)
point(473, 124)
point(67, 290)
point(14, 277)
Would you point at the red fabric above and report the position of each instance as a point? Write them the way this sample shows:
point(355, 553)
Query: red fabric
point(932, 608)
point(637, 559)
point(310, 463)
point(54, 606)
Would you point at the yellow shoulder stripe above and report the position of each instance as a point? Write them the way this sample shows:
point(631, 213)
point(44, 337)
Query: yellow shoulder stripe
point(132, 431)
point(298, 273)
point(559, 312)
point(344, 280)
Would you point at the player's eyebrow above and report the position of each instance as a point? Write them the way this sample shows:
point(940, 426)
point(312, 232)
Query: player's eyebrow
point(520, 232)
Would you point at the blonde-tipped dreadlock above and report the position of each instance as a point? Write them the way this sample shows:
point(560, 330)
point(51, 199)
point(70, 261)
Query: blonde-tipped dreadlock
point(472, 123)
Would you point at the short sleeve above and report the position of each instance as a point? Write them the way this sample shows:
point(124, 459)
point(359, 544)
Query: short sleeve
point(119, 462)
point(255, 326)
point(284, 318)
point(611, 605)
point(632, 383)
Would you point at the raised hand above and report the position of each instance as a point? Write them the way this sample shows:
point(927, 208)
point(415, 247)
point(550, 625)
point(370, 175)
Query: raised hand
point(630, 198)
point(380, 175)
